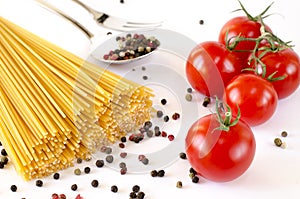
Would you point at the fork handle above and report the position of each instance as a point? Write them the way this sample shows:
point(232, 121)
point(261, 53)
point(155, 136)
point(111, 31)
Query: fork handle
point(65, 16)
point(87, 8)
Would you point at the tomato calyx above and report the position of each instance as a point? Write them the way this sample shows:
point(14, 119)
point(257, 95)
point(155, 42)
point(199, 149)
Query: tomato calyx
point(226, 122)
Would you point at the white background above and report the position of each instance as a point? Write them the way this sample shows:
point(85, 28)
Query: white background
point(274, 172)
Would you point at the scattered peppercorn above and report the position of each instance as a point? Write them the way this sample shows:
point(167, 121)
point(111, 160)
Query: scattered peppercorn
point(74, 187)
point(95, 183)
point(39, 183)
point(161, 173)
point(179, 184)
point(206, 101)
point(189, 90)
point(3, 152)
point(182, 155)
point(145, 77)
point(123, 154)
point(141, 157)
point(77, 171)
point(136, 188)
point(99, 163)
point(87, 170)
point(123, 139)
point(2, 165)
point(123, 171)
point(108, 150)
point(171, 137)
point(188, 97)
point(132, 195)
point(122, 165)
point(201, 21)
point(140, 195)
point(159, 114)
point(121, 1)
point(114, 188)
point(148, 125)
point(150, 133)
point(195, 179)
point(122, 145)
point(166, 118)
point(4, 160)
point(284, 133)
point(175, 116)
point(163, 101)
point(109, 33)
point(193, 171)
point(145, 161)
point(164, 134)
point(109, 158)
point(62, 196)
point(79, 160)
point(56, 176)
point(154, 173)
point(13, 188)
point(278, 142)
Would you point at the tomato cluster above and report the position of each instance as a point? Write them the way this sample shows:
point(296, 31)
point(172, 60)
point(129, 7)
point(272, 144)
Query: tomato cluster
point(250, 69)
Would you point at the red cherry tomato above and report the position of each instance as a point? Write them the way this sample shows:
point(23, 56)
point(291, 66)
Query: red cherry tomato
point(210, 66)
point(287, 64)
point(255, 96)
point(244, 27)
point(218, 155)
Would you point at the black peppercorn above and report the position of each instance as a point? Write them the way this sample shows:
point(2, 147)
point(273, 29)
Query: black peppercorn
point(284, 133)
point(141, 195)
point(56, 176)
point(163, 101)
point(95, 183)
point(159, 114)
point(136, 188)
point(201, 21)
point(123, 139)
point(114, 188)
point(195, 179)
point(206, 101)
point(79, 160)
point(277, 142)
point(39, 183)
point(189, 90)
point(166, 118)
point(13, 188)
point(74, 187)
point(182, 155)
point(99, 163)
point(161, 173)
point(2, 165)
point(87, 170)
point(154, 173)
point(3, 152)
point(109, 158)
point(132, 195)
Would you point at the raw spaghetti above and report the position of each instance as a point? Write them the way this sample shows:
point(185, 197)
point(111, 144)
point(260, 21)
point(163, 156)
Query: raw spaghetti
point(55, 106)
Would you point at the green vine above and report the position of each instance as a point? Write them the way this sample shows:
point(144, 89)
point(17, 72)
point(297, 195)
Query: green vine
point(274, 44)
point(225, 122)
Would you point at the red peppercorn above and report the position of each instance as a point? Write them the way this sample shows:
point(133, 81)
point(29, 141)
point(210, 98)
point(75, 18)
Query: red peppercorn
point(164, 134)
point(171, 137)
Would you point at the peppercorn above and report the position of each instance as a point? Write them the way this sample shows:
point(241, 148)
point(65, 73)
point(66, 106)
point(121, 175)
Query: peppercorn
point(201, 21)
point(161, 173)
point(193, 171)
point(39, 183)
point(2, 165)
point(114, 188)
point(136, 188)
point(150, 133)
point(182, 155)
point(154, 173)
point(87, 170)
point(148, 125)
point(278, 142)
point(62, 196)
point(99, 163)
point(175, 116)
point(166, 118)
point(163, 101)
point(195, 179)
point(74, 187)
point(159, 114)
point(171, 137)
point(109, 158)
point(206, 101)
point(189, 90)
point(141, 195)
point(141, 157)
point(123, 154)
point(123, 139)
point(123, 171)
point(145, 161)
point(284, 133)
point(188, 97)
point(4, 159)
point(121, 1)
point(3, 152)
point(145, 77)
point(79, 160)
point(13, 188)
point(132, 195)
point(56, 176)
point(122, 165)
point(108, 150)
point(164, 134)
point(179, 184)
point(95, 183)
point(122, 145)
point(77, 171)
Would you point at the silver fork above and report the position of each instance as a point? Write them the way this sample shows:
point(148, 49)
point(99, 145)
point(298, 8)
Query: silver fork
point(113, 22)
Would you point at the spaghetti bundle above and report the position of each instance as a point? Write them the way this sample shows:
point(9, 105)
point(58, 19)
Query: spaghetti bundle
point(55, 106)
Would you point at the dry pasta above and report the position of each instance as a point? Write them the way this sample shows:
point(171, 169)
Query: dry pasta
point(55, 106)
